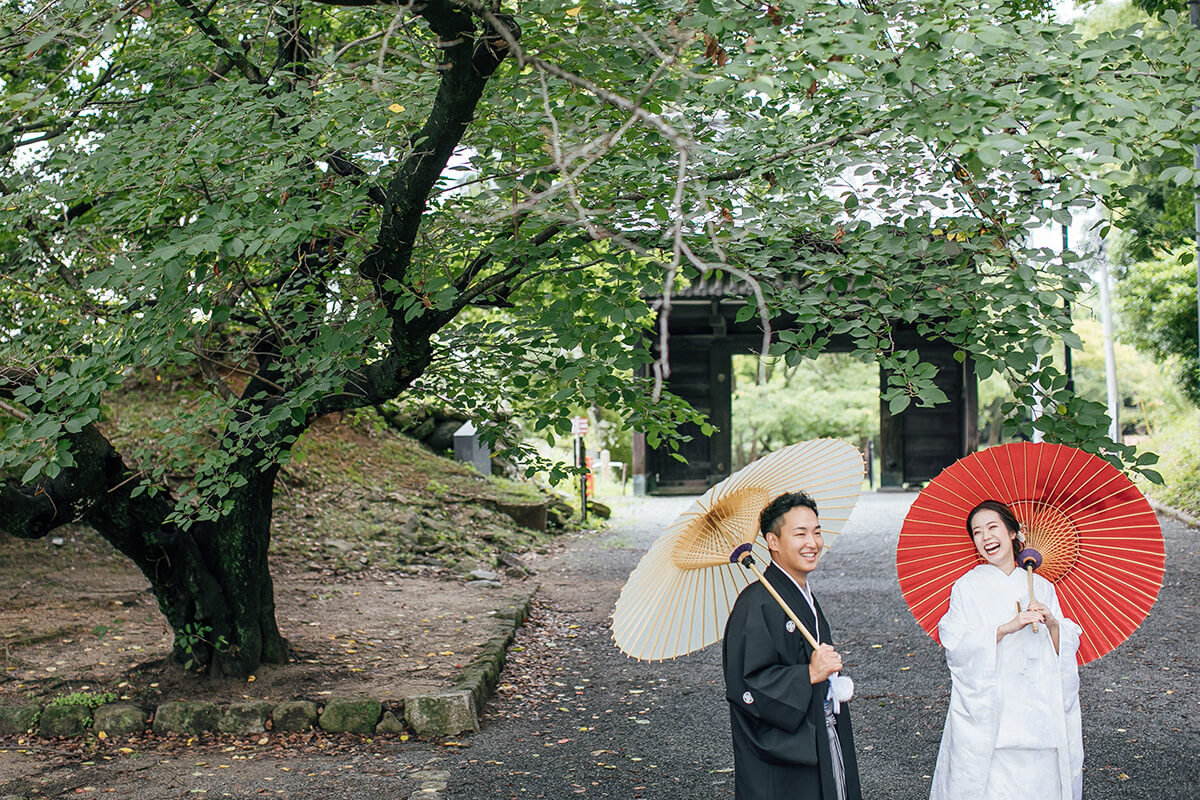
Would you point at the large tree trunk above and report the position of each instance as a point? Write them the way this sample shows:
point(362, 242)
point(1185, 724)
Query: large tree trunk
point(212, 581)
point(216, 589)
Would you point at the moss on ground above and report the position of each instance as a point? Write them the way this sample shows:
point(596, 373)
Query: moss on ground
point(355, 495)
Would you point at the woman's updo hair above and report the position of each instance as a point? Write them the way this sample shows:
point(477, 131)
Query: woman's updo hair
point(1006, 516)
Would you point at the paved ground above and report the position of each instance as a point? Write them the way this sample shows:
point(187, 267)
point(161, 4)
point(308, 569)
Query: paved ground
point(602, 725)
point(574, 717)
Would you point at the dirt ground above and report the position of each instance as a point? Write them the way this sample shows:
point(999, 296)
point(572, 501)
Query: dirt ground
point(76, 616)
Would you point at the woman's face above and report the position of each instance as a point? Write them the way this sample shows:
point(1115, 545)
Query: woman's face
point(992, 539)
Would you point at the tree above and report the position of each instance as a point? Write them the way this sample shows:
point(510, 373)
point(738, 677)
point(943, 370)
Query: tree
point(320, 205)
point(1154, 246)
point(833, 396)
point(1158, 303)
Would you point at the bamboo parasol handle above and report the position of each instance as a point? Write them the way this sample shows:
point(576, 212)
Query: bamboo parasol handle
point(1029, 573)
point(1030, 559)
point(748, 561)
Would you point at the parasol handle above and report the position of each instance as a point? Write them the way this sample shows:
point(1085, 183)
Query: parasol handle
point(746, 560)
point(1030, 559)
point(1029, 573)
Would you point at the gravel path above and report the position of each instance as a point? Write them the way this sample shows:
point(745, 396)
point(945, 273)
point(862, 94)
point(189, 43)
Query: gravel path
point(575, 717)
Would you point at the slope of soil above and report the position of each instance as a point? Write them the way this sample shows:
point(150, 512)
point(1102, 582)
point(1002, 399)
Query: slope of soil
point(372, 539)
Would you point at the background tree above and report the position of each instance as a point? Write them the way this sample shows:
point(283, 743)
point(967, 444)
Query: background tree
point(831, 396)
point(1156, 214)
point(1158, 304)
point(318, 206)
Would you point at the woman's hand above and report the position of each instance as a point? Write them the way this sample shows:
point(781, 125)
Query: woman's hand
point(1050, 620)
point(1023, 618)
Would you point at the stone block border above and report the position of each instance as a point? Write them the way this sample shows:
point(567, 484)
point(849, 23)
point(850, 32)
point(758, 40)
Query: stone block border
point(457, 710)
point(1170, 511)
point(451, 712)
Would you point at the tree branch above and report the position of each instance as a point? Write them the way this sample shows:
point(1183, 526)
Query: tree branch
point(227, 48)
point(469, 63)
point(348, 169)
point(98, 489)
point(742, 172)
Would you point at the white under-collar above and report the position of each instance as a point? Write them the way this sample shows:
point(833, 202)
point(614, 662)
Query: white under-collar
point(804, 590)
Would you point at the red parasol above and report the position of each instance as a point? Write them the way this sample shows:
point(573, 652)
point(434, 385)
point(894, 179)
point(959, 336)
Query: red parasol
point(1100, 542)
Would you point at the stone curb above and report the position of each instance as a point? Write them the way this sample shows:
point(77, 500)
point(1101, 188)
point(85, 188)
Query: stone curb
point(457, 710)
point(446, 713)
point(1182, 516)
point(481, 676)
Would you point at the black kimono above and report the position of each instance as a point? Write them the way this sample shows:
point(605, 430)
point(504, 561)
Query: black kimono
point(780, 744)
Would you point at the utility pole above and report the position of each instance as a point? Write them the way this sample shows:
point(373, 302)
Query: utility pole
point(1066, 246)
point(1110, 359)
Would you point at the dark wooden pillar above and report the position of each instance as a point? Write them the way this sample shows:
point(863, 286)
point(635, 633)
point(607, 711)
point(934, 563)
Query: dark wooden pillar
point(720, 415)
point(638, 467)
point(970, 408)
point(891, 443)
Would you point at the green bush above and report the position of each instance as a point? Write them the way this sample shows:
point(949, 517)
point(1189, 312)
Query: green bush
point(1178, 446)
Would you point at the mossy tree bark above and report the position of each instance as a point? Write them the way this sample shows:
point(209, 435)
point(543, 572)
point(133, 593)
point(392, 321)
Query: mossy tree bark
point(212, 582)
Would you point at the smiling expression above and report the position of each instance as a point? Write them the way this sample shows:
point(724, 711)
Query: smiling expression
point(993, 540)
point(797, 546)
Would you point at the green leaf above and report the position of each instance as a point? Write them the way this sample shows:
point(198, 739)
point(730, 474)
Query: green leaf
point(898, 403)
point(35, 469)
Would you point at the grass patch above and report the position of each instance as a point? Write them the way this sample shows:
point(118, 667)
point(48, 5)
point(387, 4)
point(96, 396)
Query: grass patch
point(91, 700)
point(1178, 447)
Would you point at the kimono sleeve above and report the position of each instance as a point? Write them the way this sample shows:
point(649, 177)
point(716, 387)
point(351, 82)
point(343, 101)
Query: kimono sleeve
point(1068, 646)
point(970, 644)
point(757, 679)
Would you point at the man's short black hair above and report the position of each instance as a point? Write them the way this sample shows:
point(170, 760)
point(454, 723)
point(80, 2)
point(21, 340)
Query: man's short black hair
point(769, 519)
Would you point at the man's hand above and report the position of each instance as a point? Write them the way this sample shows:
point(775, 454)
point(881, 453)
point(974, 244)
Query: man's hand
point(825, 661)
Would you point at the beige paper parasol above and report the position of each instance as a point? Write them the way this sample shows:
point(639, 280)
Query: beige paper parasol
point(679, 596)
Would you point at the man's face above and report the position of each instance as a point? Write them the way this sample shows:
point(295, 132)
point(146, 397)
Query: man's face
point(798, 545)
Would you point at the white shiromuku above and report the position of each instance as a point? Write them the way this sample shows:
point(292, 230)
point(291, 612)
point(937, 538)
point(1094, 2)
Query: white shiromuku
point(1013, 728)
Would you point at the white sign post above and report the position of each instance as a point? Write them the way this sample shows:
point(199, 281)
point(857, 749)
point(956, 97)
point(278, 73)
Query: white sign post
point(579, 429)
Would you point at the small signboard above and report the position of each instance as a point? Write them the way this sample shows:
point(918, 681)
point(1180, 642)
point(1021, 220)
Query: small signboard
point(579, 426)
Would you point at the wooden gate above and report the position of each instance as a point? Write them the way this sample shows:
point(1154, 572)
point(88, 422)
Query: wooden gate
point(914, 446)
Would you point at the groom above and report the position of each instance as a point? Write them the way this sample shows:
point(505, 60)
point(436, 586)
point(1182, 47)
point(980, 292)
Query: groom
point(791, 726)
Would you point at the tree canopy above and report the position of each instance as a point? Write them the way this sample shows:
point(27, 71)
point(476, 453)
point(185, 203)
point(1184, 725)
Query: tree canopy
point(319, 205)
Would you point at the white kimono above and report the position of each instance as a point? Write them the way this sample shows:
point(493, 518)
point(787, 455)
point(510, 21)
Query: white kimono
point(1013, 729)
